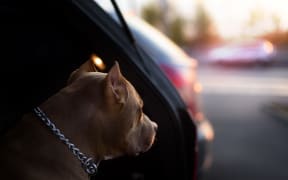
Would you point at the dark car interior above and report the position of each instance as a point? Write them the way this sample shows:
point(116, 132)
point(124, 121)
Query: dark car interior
point(44, 41)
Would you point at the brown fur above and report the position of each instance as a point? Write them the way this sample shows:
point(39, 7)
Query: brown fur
point(100, 113)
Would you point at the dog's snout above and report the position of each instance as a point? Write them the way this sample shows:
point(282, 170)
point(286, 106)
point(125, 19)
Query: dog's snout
point(155, 126)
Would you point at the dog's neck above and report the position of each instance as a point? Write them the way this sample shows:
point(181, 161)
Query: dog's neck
point(32, 142)
point(72, 124)
point(73, 121)
point(64, 157)
point(69, 123)
point(89, 165)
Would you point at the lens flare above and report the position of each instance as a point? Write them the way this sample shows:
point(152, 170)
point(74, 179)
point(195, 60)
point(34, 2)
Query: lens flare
point(98, 62)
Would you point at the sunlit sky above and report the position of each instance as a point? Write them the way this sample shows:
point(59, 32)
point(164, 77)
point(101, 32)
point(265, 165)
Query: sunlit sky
point(230, 17)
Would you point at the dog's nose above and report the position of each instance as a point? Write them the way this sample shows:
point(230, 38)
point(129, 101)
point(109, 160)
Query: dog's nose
point(155, 126)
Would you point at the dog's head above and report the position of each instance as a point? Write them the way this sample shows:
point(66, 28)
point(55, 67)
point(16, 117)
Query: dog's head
point(115, 111)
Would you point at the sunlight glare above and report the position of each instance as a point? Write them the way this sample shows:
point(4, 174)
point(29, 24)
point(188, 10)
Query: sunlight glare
point(232, 17)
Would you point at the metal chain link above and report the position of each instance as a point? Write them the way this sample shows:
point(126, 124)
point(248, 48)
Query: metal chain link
point(88, 164)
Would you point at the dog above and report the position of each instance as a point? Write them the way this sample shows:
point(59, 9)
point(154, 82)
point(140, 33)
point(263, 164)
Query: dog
point(101, 113)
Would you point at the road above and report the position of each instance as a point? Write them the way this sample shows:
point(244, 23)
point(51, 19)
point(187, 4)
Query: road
point(250, 144)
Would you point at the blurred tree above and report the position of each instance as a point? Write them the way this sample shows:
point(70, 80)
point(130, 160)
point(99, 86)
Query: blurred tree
point(176, 31)
point(202, 22)
point(254, 23)
point(205, 31)
point(152, 14)
point(255, 17)
point(171, 25)
point(276, 35)
point(276, 20)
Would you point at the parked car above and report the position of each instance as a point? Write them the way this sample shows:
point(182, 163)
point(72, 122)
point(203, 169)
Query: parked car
point(43, 42)
point(181, 70)
point(246, 52)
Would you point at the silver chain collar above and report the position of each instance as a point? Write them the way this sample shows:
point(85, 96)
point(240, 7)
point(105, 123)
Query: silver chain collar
point(88, 164)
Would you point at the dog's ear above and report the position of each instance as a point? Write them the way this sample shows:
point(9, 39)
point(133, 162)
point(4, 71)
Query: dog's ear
point(116, 84)
point(88, 66)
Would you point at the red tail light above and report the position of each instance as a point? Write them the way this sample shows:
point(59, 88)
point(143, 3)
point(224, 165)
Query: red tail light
point(172, 75)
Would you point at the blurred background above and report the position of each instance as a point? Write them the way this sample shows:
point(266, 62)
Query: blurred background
point(241, 52)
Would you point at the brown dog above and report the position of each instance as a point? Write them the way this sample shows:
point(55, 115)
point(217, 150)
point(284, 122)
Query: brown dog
point(100, 113)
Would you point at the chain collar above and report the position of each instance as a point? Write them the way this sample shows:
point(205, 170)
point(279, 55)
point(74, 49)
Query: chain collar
point(87, 163)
